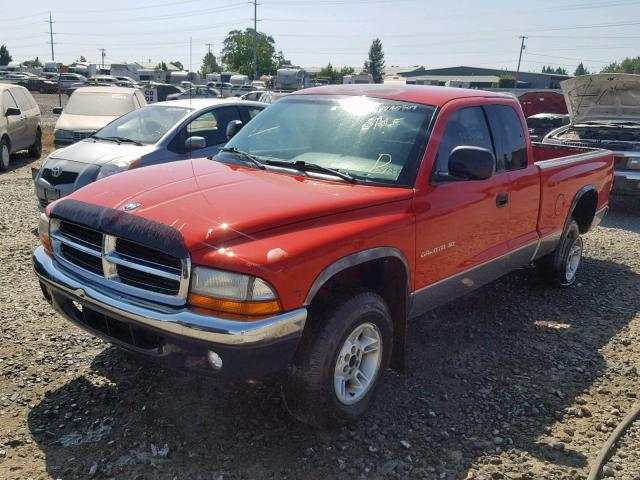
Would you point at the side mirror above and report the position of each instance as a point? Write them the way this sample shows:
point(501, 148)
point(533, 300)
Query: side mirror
point(12, 112)
point(195, 143)
point(471, 163)
point(233, 127)
point(56, 110)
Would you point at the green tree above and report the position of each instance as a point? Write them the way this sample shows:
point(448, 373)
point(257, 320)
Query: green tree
point(580, 70)
point(237, 53)
point(5, 58)
point(178, 65)
point(32, 63)
point(560, 71)
point(506, 81)
point(162, 66)
point(82, 59)
point(628, 65)
point(329, 73)
point(375, 64)
point(345, 71)
point(209, 64)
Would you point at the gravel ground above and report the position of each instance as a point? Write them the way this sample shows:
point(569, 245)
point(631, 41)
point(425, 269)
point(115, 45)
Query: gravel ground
point(515, 381)
point(46, 101)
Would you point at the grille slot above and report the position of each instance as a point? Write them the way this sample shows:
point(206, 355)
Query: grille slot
point(147, 281)
point(84, 235)
point(82, 259)
point(135, 252)
point(63, 178)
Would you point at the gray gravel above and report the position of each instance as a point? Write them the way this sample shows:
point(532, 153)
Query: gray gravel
point(46, 102)
point(625, 462)
point(515, 381)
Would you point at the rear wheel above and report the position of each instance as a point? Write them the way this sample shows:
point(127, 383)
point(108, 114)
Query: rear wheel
point(560, 267)
point(334, 377)
point(5, 156)
point(35, 150)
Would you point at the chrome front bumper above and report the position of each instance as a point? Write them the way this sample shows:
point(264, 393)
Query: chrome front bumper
point(179, 322)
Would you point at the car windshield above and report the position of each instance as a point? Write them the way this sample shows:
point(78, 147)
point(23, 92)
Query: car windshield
point(146, 125)
point(99, 104)
point(371, 139)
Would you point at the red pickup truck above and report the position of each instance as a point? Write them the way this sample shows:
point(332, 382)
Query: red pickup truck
point(327, 222)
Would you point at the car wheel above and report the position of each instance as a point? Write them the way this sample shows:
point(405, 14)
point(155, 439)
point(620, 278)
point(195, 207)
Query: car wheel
point(560, 268)
point(35, 150)
point(340, 363)
point(5, 155)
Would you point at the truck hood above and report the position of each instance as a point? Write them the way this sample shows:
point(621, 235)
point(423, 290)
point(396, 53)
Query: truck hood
point(604, 96)
point(99, 152)
point(72, 123)
point(211, 202)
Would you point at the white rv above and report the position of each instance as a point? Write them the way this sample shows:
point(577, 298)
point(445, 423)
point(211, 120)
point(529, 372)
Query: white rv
point(290, 77)
point(357, 78)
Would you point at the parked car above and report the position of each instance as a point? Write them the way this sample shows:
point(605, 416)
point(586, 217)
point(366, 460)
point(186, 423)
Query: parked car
point(124, 81)
point(19, 123)
point(542, 123)
point(258, 85)
point(605, 113)
point(264, 96)
point(225, 88)
point(39, 84)
point(196, 92)
point(157, 133)
point(65, 80)
point(158, 92)
point(242, 89)
point(321, 228)
point(91, 108)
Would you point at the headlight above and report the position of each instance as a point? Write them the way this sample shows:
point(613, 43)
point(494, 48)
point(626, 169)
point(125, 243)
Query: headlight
point(43, 233)
point(116, 166)
point(633, 163)
point(232, 293)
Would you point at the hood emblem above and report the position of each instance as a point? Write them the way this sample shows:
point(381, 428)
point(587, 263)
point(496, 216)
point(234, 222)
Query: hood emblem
point(130, 206)
point(56, 172)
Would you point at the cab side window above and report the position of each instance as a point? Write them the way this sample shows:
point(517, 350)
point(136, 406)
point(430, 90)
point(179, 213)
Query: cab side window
point(211, 125)
point(21, 97)
point(505, 123)
point(466, 127)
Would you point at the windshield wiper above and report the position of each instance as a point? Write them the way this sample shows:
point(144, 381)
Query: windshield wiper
point(313, 167)
point(244, 155)
point(119, 140)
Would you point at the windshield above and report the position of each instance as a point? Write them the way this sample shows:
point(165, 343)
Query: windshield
point(145, 125)
point(371, 139)
point(99, 104)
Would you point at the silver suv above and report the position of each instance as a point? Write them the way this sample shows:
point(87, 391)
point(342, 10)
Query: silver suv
point(19, 123)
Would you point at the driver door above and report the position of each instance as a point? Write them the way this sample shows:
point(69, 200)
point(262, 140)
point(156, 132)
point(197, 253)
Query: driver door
point(461, 224)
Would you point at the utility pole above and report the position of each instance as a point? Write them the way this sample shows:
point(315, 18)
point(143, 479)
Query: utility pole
point(51, 22)
point(520, 58)
point(255, 39)
point(102, 50)
point(209, 57)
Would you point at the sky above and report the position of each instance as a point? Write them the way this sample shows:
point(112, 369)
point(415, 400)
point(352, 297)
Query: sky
point(315, 32)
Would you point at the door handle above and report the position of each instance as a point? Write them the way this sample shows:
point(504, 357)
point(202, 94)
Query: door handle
point(502, 199)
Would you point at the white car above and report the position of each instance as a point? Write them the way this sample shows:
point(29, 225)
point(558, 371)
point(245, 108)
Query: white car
point(19, 123)
point(91, 108)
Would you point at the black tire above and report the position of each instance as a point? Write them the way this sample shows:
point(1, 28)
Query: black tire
point(559, 268)
point(309, 391)
point(5, 155)
point(35, 150)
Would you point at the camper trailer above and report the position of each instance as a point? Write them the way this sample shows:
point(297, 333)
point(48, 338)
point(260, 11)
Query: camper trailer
point(289, 78)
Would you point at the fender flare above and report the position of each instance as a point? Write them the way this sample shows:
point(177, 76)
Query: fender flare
point(579, 194)
point(352, 260)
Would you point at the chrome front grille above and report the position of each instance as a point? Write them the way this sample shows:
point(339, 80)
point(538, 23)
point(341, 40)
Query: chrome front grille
point(120, 263)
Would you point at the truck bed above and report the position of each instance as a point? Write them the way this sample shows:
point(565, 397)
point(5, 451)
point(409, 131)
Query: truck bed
point(564, 171)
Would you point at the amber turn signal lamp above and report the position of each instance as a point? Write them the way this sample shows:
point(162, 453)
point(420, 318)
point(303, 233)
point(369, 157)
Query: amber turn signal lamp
point(234, 307)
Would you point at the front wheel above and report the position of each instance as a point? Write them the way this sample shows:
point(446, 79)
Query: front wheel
point(560, 267)
point(5, 156)
point(35, 150)
point(334, 377)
